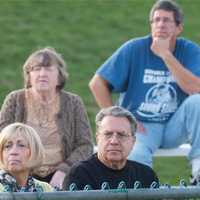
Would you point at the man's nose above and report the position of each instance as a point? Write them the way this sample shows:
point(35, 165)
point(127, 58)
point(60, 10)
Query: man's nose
point(114, 138)
point(161, 23)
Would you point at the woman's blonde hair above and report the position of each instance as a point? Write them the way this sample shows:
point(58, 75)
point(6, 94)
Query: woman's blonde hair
point(37, 152)
point(45, 57)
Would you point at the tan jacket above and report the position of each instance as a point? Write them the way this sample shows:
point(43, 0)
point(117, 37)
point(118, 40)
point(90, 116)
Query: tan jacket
point(72, 122)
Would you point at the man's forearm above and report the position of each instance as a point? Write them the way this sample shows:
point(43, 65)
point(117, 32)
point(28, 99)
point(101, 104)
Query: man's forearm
point(101, 92)
point(187, 81)
point(103, 98)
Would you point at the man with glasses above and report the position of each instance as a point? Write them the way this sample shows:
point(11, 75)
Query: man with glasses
point(158, 78)
point(115, 136)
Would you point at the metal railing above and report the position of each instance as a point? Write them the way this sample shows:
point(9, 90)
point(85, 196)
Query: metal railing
point(164, 192)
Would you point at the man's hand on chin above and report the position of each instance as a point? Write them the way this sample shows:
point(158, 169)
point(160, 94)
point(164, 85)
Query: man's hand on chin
point(161, 46)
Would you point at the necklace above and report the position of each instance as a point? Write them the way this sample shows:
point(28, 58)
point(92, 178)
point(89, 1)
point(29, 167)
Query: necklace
point(41, 112)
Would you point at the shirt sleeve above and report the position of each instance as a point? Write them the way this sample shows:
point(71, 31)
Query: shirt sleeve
point(7, 113)
point(192, 58)
point(45, 186)
point(77, 178)
point(1, 188)
point(151, 178)
point(116, 68)
point(82, 145)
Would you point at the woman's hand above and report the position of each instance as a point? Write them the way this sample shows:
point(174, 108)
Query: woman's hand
point(58, 179)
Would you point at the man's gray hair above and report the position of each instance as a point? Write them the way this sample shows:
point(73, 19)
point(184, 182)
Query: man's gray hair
point(116, 111)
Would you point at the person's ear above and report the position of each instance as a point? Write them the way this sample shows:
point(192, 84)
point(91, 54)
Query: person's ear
point(97, 137)
point(134, 139)
point(179, 29)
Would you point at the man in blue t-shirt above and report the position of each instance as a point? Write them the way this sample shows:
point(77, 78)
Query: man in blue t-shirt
point(158, 79)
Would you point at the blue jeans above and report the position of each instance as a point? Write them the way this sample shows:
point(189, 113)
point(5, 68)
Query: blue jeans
point(183, 127)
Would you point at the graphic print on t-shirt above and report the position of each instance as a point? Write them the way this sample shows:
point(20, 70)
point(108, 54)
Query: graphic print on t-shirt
point(161, 98)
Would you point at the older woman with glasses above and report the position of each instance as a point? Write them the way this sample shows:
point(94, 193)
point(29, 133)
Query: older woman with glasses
point(21, 151)
point(58, 116)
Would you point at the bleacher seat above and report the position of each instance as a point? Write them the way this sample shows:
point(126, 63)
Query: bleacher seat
point(182, 150)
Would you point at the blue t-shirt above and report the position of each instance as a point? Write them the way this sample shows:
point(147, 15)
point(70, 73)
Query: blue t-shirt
point(146, 86)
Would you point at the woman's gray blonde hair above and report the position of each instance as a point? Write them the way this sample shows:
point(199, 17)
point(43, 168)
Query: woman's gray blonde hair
point(32, 138)
point(45, 57)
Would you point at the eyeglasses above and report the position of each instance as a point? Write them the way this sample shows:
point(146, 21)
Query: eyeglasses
point(165, 20)
point(122, 136)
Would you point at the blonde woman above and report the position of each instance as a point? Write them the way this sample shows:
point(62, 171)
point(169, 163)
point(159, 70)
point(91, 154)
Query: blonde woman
point(21, 151)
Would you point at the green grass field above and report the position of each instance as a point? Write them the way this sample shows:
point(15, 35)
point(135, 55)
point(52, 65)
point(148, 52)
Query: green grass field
point(85, 32)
